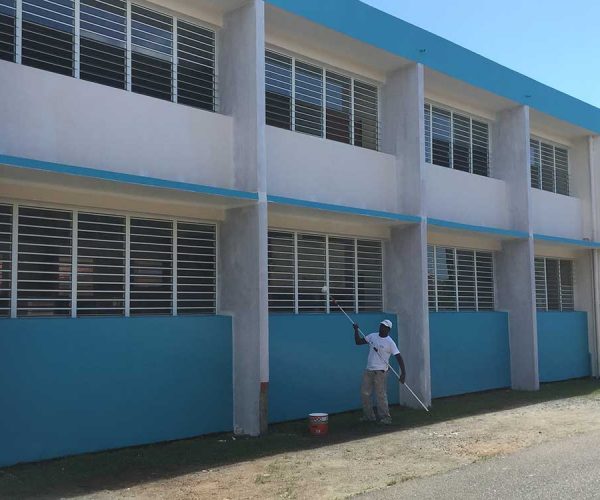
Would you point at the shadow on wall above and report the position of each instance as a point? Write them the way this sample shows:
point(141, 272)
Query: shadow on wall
point(315, 365)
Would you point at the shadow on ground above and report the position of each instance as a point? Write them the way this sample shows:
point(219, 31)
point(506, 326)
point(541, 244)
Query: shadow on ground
point(119, 469)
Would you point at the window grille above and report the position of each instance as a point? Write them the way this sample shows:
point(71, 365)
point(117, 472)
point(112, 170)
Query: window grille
point(196, 268)
point(102, 45)
point(306, 98)
point(8, 32)
point(196, 84)
point(300, 264)
point(48, 35)
point(44, 278)
point(459, 279)
point(456, 141)
point(549, 167)
point(6, 230)
point(554, 284)
point(101, 249)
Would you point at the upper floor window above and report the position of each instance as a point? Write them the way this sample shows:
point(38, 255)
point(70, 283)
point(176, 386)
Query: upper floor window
point(549, 167)
point(456, 140)
point(459, 279)
point(554, 284)
point(307, 98)
point(147, 51)
point(301, 264)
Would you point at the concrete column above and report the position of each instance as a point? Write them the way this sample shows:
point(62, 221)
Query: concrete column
point(403, 134)
point(515, 272)
point(406, 295)
point(594, 320)
point(243, 235)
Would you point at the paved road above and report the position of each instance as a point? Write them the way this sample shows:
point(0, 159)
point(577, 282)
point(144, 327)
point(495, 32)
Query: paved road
point(568, 468)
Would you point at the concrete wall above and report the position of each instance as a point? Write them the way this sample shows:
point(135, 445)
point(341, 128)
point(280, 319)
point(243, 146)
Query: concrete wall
point(557, 215)
point(54, 118)
point(315, 365)
point(469, 352)
point(312, 168)
point(563, 345)
point(466, 198)
point(80, 385)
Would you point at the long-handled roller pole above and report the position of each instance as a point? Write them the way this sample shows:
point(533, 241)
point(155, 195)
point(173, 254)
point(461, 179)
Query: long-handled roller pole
point(375, 349)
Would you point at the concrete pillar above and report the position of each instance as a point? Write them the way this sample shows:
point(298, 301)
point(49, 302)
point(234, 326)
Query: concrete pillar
point(243, 235)
point(594, 183)
point(406, 295)
point(515, 273)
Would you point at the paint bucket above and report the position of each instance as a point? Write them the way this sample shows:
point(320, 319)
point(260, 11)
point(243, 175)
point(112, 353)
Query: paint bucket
point(318, 424)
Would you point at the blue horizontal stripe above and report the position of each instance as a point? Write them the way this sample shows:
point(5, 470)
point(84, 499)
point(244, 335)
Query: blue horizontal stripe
point(369, 25)
point(342, 209)
point(107, 175)
point(566, 241)
point(477, 229)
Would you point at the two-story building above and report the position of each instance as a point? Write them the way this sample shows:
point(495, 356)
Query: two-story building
point(179, 180)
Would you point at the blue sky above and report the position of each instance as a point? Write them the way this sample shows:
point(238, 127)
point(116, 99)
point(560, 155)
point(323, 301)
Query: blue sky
point(555, 42)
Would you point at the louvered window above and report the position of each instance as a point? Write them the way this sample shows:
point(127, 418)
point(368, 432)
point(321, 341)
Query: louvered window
point(554, 284)
point(304, 97)
point(196, 83)
point(45, 246)
point(549, 167)
point(48, 35)
point(196, 268)
point(459, 279)
point(456, 141)
point(103, 54)
point(8, 32)
point(301, 264)
point(101, 246)
point(6, 230)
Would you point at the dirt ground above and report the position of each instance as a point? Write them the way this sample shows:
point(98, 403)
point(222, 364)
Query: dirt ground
point(377, 459)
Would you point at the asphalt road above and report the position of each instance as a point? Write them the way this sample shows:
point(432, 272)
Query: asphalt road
point(568, 468)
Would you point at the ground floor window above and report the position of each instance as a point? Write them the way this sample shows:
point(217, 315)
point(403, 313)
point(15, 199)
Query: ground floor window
point(554, 284)
point(301, 264)
point(63, 262)
point(460, 279)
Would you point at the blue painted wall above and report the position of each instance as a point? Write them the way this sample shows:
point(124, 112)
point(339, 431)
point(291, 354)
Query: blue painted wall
point(78, 385)
point(315, 365)
point(563, 351)
point(469, 352)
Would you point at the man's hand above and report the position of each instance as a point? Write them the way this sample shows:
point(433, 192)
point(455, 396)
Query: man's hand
point(402, 377)
point(356, 327)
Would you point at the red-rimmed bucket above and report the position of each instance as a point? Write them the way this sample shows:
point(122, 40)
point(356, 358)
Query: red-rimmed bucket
point(318, 424)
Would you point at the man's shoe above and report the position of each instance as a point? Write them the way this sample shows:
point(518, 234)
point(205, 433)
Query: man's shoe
point(385, 421)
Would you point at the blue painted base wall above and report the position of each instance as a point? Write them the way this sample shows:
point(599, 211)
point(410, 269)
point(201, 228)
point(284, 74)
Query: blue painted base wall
point(563, 351)
point(469, 352)
point(315, 365)
point(79, 385)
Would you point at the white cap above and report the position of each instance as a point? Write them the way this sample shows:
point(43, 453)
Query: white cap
point(387, 322)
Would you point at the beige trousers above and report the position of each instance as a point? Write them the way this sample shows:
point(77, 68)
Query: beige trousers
point(375, 380)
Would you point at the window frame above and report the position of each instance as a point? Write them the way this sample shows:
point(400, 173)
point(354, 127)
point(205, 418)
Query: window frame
point(560, 290)
point(128, 215)
point(554, 145)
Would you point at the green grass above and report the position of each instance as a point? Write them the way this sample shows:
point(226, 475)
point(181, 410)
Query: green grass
point(123, 468)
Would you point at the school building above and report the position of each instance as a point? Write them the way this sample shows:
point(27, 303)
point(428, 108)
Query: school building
point(179, 179)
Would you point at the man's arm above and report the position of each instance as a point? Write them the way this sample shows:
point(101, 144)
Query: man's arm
point(402, 368)
point(358, 340)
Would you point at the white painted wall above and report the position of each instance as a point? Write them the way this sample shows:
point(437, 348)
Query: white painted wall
point(557, 215)
point(54, 118)
point(316, 169)
point(466, 198)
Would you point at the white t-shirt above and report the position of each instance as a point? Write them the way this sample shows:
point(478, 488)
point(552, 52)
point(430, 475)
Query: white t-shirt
point(385, 346)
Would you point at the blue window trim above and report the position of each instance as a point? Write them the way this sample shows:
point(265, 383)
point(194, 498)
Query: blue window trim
point(458, 226)
point(566, 241)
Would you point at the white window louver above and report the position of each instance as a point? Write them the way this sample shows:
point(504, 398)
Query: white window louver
point(6, 230)
point(300, 264)
point(103, 42)
point(101, 260)
point(48, 29)
point(554, 284)
point(8, 29)
point(338, 107)
point(456, 141)
point(366, 115)
point(196, 268)
point(549, 167)
point(309, 99)
point(459, 279)
point(44, 277)
point(278, 81)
